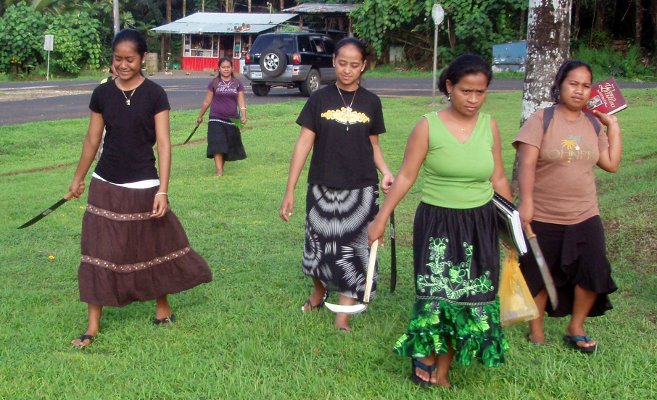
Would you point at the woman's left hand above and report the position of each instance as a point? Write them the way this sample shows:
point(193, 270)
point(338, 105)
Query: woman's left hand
point(243, 119)
point(386, 182)
point(160, 206)
point(606, 119)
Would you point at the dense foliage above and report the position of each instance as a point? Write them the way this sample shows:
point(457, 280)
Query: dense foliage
point(78, 42)
point(469, 25)
point(626, 28)
point(21, 39)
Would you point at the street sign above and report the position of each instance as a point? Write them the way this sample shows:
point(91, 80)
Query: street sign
point(48, 42)
point(437, 14)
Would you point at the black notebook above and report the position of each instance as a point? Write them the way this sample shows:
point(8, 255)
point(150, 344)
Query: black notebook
point(509, 223)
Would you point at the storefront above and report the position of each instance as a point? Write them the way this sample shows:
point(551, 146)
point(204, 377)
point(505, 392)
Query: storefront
point(209, 36)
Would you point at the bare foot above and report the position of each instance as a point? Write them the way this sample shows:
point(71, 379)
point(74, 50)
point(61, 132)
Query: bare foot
point(220, 173)
point(342, 322)
point(537, 339)
point(443, 382)
point(84, 340)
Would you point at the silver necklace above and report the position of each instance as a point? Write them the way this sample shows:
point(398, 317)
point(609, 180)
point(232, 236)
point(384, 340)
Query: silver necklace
point(225, 85)
point(347, 107)
point(127, 98)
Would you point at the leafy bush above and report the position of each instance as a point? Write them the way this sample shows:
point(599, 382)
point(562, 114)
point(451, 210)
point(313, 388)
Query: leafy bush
point(606, 61)
point(77, 42)
point(472, 26)
point(21, 39)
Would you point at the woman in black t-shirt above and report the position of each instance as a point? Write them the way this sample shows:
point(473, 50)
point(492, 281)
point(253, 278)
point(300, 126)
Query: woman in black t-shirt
point(133, 247)
point(341, 123)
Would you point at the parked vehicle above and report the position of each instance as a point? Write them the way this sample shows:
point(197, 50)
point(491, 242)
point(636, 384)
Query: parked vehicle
point(291, 59)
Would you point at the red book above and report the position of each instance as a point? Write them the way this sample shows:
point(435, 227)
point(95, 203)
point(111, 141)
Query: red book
point(606, 97)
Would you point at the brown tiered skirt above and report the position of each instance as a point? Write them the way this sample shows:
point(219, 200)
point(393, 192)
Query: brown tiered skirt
point(129, 256)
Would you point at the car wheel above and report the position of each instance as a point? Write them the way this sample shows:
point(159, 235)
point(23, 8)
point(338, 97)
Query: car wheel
point(273, 62)
point(260, 89)
point(311, 84)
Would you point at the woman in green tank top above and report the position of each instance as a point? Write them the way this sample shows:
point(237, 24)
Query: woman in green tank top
point(455, 243)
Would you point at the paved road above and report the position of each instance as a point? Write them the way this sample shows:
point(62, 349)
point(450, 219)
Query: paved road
point(46, 101)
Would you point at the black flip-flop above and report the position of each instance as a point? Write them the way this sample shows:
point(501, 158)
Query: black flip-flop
point(84, 337)
point(312, 307)
point(572, 342)
point(165, 321)
point(415, 363)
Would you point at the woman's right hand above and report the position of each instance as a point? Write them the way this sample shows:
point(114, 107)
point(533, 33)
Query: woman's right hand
point(199, 120)
point(287, 206)
point(526, 211)
point(375, 231)
point(76, 188)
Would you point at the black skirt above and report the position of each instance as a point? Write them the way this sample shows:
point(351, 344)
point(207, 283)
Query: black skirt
point(225, 138)
point(576, 255)
point(336, 249)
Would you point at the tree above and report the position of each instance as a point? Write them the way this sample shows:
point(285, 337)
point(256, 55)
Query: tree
point(21, 39)
point(471, 26)
point(548, 46)
point(77, 42)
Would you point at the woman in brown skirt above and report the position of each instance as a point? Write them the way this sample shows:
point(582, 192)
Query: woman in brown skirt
point(133, 247)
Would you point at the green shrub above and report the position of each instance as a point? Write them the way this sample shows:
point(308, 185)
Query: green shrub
point(21, 39)
point(606, 61)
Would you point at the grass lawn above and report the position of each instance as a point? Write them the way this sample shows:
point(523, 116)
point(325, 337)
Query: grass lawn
point(242, 336)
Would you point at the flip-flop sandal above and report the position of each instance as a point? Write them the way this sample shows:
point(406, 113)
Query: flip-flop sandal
point(308, 306)
point(84, 337)
point(165, 321)
point(415, 363)
point(572, 342)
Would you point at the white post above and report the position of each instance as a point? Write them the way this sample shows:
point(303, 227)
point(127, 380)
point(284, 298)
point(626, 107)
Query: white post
point(435, 64)
point(115, 14)
point(437, 14)
point(48, 42)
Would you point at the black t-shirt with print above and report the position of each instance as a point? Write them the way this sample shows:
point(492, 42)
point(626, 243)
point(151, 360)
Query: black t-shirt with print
point(130, 130)
point(343, 157)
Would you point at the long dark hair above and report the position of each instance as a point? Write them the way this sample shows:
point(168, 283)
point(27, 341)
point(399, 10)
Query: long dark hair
point(463, 65)
point(562, 73)
point(221, 61)
point(134, 36)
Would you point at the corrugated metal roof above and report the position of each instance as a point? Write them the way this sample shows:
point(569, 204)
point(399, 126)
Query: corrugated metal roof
point(225, 23)
point(320, 8)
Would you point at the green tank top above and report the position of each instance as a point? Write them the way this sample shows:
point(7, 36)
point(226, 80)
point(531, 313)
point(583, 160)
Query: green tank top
point(457, 175)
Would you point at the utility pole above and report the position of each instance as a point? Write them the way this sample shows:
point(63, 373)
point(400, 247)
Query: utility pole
point(115, 13)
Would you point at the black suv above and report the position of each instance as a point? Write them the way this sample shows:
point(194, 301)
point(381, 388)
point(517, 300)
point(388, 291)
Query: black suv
point(302, 60)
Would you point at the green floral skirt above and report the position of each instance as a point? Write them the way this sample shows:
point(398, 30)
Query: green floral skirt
point(456, 263)
point(473, 332)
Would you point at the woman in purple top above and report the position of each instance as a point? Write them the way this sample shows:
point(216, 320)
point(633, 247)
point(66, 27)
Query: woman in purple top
point(225, 94)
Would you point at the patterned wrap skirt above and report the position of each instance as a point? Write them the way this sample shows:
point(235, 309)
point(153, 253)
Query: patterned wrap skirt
point(336, 248)
point(576, 255)
point(225, 138)
point(129, 256)
point(457, 264)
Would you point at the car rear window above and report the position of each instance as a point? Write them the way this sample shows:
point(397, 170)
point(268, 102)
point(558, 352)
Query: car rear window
point(281, 42)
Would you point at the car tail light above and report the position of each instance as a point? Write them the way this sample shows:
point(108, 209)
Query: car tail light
point(248, 58)
point(296, 58)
